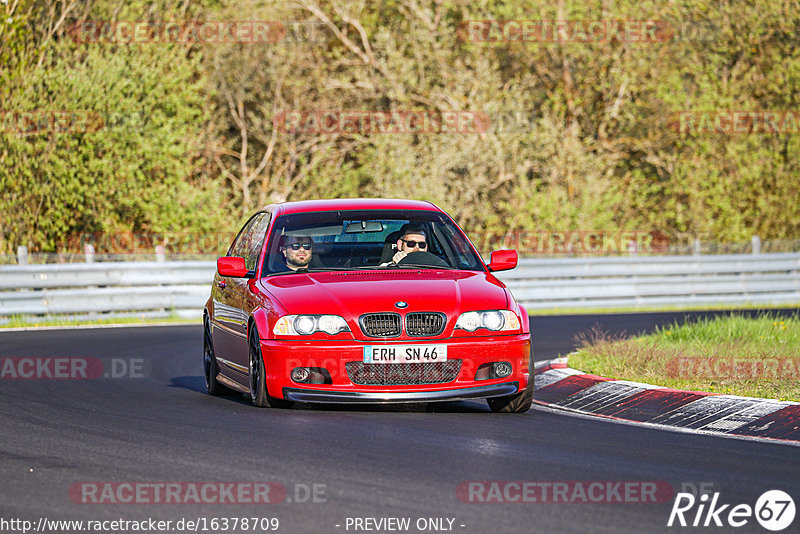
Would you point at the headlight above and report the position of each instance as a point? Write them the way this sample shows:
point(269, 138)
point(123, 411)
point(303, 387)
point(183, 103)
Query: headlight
point(304, 325)
point(331, 324)
point(469, 321)
point(495, 320)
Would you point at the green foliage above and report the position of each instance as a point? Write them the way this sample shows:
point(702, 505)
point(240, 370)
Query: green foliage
point(593, 146)
point(129, 165)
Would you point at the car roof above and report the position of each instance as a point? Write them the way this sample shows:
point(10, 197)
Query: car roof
point(305, 206)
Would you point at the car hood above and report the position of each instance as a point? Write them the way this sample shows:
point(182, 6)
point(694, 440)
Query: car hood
point(353, 293)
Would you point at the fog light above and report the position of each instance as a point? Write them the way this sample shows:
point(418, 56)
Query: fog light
point(502, 369)
point(488, 371)
point(300, 374)
point(311, 375)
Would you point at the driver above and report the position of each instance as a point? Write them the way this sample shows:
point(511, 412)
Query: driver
point(412, 239)
point(296, 251)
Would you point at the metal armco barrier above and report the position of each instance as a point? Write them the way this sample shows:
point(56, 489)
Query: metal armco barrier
point(617, 282)
point(71, 288)
point(608, 282)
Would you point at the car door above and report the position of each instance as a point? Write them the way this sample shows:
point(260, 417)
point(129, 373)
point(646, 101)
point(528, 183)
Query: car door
point(249, 248)
point(230, 322)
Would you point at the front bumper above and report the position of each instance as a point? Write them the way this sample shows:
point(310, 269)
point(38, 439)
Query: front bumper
point(281, 356)
point(482, 392)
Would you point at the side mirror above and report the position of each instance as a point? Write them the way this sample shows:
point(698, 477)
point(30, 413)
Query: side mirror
point(231, 266)
point(503, 260)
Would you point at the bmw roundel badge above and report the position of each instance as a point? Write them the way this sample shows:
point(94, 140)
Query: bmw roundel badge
point(400, 304)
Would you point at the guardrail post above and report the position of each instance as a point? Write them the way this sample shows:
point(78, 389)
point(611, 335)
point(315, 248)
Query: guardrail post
point(88, 252)
point(756, 241)
point(633, 248)
point(696, 248)
point(22, 255)
point(160, 253)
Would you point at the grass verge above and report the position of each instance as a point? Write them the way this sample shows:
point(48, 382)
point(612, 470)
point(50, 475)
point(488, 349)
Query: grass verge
point(29, 322)
point(731, 354)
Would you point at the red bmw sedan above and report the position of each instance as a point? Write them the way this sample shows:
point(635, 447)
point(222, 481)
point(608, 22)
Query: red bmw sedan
point(364, 301)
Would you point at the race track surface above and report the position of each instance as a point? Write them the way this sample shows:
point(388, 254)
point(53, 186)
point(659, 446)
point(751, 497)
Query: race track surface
point(159, 426)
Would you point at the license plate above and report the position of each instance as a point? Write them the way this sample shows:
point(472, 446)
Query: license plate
point(405, 353)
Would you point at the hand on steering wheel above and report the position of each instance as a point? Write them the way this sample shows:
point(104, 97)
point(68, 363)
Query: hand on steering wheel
point(399, 255)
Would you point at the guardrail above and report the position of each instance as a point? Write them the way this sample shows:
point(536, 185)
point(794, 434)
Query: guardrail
point(180, 287)
point(183, 286)
point(616, 282)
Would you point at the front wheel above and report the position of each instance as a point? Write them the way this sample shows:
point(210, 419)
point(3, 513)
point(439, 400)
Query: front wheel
point(258, 378)
point(517, 403)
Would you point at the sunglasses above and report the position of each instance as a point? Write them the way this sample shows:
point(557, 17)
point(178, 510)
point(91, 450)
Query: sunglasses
point(296, 246)
point(412, 244)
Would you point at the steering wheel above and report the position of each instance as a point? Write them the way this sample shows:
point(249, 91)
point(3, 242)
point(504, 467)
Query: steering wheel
point(423, 258)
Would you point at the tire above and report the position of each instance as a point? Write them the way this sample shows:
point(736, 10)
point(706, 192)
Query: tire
point(257, 374)
point(518, 402)
point(210, 369)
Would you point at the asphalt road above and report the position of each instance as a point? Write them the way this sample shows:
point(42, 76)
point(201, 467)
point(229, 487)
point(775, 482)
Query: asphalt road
point(157, 425)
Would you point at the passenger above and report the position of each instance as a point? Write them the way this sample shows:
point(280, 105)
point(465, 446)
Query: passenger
point(297, 251)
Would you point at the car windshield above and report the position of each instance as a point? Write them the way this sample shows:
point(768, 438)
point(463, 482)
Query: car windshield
point(366, 239)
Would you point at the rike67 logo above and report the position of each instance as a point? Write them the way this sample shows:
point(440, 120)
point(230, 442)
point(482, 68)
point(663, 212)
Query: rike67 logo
point(774, 510)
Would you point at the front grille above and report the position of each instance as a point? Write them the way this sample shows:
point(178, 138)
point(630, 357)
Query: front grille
point(397, 374)
point(380, 324)
point(425, 323)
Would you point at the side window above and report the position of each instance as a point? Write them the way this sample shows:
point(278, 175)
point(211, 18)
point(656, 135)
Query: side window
point(237, 245)
point(248, 243)
point(254, 240)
